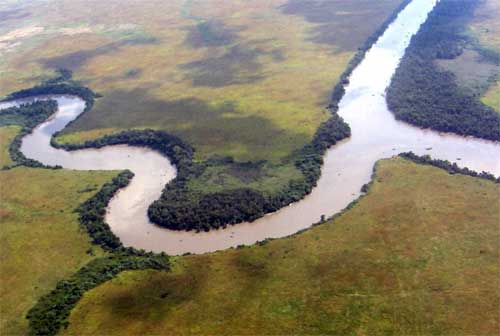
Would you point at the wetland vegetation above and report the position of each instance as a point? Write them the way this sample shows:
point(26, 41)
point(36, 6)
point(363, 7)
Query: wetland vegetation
point(438, 83)
point(41, 239)
point(219, 202)
point(373, 270)
point(226, 92)
point(33, 213)
point(27, 117)
point(416, 255)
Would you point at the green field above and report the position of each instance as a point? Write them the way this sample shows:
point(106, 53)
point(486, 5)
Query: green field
point(244, 79)
point(418, 255)
point(7, 134)
point(474, 72)
point(485, 28)
point(248, 80)
point(492, 96)
point(40, 238)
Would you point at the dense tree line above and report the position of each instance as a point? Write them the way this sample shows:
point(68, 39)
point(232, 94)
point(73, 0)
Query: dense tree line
point(61, 84)
point(51, 311)
point(424, 95)
point(179, 152)
point(28, 116)
point(451, 168)
point(181, 209)
point(92, 212)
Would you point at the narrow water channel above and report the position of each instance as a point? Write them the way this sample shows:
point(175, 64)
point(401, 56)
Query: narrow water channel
point(348, 165)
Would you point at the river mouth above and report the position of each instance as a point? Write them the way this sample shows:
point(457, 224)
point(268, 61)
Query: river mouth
point(347, 166)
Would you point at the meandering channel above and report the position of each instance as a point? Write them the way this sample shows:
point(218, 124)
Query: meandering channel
point(347, 166)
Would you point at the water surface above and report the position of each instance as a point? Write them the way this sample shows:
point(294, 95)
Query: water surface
point(347, 166)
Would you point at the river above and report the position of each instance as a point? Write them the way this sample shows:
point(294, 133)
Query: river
point(347, 166)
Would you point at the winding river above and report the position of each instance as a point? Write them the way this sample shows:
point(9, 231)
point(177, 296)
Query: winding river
point(347, 165)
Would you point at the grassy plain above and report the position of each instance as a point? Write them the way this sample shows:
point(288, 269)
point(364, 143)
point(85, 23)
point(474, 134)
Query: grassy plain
point(7, 134)
point(492, 96)
point(485, 27)
point(473, 72)
point(418, 255)
point(239, 78)
point(40, 238)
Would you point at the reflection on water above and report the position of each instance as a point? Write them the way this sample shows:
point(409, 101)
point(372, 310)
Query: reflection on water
point(348, 165)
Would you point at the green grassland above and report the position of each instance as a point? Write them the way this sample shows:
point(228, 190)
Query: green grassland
point(248, 80)
point(476, 70)
point(492, 96)
point(417, 255)
point(40, 238)
point(485, 28)
point(267, 178)
point(244, 79)
point(444, 72)
point(7, 134)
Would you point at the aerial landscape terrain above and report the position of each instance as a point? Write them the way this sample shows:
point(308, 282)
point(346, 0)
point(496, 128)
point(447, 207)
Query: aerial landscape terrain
point(267, 167)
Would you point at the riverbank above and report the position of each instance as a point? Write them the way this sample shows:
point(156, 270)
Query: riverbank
point(347, 166)
point(183, 208)
point(443, 74)
point(403, 260)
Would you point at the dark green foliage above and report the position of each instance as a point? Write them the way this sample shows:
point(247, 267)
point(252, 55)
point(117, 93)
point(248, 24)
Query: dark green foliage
point(92, 213)
point(52, 310)
point(62, 84)
point(180, 209)
point(54, 88)
point(28, 116)
point(63, 75)
point(175, 149)
point(185, 212)
point(424, 95)
point(451, 168)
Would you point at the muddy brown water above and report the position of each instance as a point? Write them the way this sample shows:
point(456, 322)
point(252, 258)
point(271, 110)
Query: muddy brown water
point(347, 165)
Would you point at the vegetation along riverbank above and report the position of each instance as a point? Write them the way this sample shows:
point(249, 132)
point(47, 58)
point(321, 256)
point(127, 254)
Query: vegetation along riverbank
point(219, 191)
point(445, 77)
point(404, 260)
point(44, 241)
point(52, 310)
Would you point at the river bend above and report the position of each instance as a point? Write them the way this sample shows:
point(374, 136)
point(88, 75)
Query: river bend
point(347, 166)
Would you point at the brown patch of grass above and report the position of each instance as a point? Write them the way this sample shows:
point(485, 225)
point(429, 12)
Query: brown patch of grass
point(417, 255)
point(251, 54)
